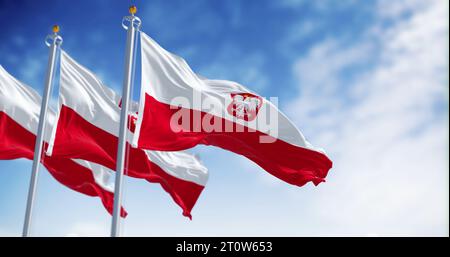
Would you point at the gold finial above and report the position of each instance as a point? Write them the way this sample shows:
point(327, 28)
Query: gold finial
point(132, 9)
point(55, 28)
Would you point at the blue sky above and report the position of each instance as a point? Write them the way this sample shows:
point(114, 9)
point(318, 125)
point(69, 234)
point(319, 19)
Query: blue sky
point(365, 80)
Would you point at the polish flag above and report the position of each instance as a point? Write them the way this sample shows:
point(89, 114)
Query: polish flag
point(179, 109)
point(19, 118)
point(88, 128)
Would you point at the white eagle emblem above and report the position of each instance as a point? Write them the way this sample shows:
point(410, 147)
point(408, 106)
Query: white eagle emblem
point(244, 106)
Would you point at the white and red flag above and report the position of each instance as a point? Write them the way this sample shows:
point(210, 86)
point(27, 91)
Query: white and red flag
point(179, 109)
point(19, 118)
point(88, 128)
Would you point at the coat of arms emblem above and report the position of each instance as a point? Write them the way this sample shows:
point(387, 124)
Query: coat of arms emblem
point(244, 106)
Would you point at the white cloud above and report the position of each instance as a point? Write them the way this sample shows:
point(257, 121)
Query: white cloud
point(6, 233)
point(382, 126)
point(172, 15)
point(319, 5)
point(232, 64)
point(395, 9)
point(297, 32)
point(31, 69)
point(88, 229)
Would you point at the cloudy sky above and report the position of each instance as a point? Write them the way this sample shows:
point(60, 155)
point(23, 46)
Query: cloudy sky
point(365, 80)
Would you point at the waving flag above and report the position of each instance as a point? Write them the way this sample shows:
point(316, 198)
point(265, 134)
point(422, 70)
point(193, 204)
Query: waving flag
point(180, 109)
point(87, 128)
point(19, 117)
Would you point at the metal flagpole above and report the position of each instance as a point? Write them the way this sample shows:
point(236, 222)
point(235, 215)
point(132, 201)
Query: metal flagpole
point(132, 28)
point(53, 41)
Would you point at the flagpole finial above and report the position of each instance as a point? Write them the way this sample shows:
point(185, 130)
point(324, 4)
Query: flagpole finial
point(54, 38)
point(132, 9)
point(131, 19)
point(55, 29)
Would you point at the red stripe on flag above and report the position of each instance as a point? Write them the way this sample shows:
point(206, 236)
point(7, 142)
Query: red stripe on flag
point(17, 142)
point(78, 138)
point(292, 164)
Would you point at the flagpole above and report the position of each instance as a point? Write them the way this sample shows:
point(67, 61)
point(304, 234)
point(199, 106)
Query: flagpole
point(132, 28)
point(53, 41)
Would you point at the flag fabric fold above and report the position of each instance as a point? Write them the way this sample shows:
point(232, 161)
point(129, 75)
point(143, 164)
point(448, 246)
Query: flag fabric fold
point(87, 128)
point(219, 113)
point(19, 118)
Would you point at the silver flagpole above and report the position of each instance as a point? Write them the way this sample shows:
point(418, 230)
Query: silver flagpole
point(53, 41)
point(132, 27)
